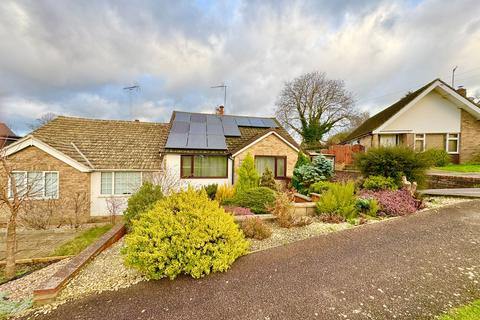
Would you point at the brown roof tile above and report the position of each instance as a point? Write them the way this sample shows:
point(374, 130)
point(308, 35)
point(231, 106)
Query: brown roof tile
point(107, 144)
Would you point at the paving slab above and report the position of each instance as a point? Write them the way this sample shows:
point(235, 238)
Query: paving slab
point(455, 192)
point(412, 267)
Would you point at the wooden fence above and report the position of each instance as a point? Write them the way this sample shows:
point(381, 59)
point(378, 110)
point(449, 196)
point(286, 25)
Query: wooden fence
point(344, 153)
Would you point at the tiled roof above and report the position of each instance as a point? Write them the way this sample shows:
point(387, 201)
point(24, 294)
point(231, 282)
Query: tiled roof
point(106, 144)
point(5, 131)
point(377, 120)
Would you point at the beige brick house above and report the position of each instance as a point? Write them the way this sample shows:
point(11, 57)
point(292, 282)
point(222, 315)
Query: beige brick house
point(105, 159)
point(434, 116)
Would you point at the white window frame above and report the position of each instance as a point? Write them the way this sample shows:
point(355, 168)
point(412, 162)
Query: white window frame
point(43, 197)
point(448, 138)
point(423, 139)
point(113, 184)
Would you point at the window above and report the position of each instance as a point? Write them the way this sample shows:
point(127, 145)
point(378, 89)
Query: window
point(419, 142)
point(202, 166)
point(452, 142)
point(35, 184)
point(276, 164)
point(389, 140)
point(120, 182)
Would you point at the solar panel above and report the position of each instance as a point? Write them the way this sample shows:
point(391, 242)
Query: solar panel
point(177, 140)
point(241, 121)
point(180, 127)
point(231, 130)
point(213, 119)
point(228, 120)
point(198, 128)
point(197, 141)
point(198, 118)
point(255, 122)
point(214, 128)
point(270, 123)
point(180, 116)
point(216, 141)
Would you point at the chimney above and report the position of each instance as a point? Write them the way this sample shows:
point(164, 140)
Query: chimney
point(220, 110)
point(462, 91)
point(136, 120)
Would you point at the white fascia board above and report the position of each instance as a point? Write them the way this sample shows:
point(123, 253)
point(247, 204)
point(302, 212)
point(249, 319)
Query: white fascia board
point(469, 106)
point(263, 137)
point(31, 141)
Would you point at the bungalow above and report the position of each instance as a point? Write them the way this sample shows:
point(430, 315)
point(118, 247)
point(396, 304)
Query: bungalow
point(434, 116)
point(109, 159)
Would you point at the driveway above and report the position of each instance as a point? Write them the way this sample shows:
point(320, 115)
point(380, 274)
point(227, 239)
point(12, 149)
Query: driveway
point(406, 268)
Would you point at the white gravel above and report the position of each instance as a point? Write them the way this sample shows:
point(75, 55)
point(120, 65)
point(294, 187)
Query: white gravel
point(437, 202)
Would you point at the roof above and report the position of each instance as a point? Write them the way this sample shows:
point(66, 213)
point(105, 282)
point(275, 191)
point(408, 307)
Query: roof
point(377, 120)
point(106, 144)
point(5, 131)
point(248, 134)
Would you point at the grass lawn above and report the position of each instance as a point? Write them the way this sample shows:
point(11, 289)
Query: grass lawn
point(460, 168)
point(469, 312)
point(80, 242)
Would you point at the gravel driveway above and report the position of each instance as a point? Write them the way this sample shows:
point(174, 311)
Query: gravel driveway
point(407, 268)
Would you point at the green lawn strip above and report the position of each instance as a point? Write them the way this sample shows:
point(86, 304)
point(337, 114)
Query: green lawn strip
point(468, 312)
point(460, 168)
point(80, 242)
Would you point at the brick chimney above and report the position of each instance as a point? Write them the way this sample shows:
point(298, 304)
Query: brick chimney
point(220, 110)
point(462, 91)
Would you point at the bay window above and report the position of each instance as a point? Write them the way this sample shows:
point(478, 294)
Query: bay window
point(203, 166)
point(452, 142)
point(35, 184)
point(120, 182)
point(276, 164)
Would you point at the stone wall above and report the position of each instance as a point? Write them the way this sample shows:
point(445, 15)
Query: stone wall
point(269, 146)
point(469, 138)
point(71, 181)
point(442, 181)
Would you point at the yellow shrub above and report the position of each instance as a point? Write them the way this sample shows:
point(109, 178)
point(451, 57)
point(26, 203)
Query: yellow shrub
point(184, 233)
point(224, 192)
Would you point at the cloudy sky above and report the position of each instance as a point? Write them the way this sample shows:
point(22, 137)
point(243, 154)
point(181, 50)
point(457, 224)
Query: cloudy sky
point(75, 57)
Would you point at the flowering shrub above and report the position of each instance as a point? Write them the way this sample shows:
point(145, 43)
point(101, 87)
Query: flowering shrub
point(393, 203)
point(184, 233)
point(255, 228)
point(238, 211)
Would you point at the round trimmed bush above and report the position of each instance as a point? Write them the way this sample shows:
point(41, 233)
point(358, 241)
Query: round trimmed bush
point(257, 199)
point(184, 233)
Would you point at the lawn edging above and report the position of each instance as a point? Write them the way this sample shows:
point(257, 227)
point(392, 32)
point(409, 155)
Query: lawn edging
point(47, 291)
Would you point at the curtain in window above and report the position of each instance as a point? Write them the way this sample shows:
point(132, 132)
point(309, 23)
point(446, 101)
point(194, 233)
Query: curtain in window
point(262, 163)
point(210, 166)
point(127, 182)
point(280, 167)
point(51, 184)
point(106, 183)
point(186, 166)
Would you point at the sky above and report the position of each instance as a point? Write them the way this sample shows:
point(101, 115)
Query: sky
point(75, 57)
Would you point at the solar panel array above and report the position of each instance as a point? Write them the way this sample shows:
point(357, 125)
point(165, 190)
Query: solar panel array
point(208, 131)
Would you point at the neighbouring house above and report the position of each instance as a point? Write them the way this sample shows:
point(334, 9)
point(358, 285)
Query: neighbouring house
point(7, 136)
point(434, 116)
point(109, 159)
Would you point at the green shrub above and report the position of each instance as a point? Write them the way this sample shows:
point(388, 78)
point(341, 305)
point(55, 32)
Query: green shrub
point(367, 206)
point(224, 192)
point(141, 201)
point(380, 183)
point(436, 157)
point(319, 169)
point(267, 180)
point(255, 228)
point(339, 200)
point(392, 162)
point(247, 175)
point(258, 199)
point(184, 233)
point(211, 190)
point(320, 187)
point(302, 159)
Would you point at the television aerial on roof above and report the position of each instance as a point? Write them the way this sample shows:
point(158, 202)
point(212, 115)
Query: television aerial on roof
point(135, 88)
point(224, 87)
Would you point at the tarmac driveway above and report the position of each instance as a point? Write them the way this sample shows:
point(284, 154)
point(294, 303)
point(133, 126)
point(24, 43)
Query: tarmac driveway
point(406, 268)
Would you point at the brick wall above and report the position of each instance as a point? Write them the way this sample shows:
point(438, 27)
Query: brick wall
point(71, 180)
point(469, 138)
point(269, 146)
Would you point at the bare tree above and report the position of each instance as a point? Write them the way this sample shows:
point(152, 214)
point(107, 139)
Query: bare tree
point(43, 120)
point(354, 122)
point(114, 207)
point(80, 207)
point(312, 105)
point(39, 215)
point(16, 190)
point(168, 180)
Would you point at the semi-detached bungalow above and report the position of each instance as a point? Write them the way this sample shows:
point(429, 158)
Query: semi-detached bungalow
point(109, 158)
point(434, 116)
